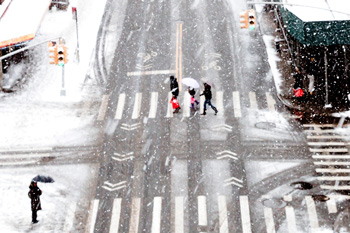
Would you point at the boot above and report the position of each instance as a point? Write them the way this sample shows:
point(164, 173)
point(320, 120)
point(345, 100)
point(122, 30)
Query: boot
point(216, 111)
point(204, 113)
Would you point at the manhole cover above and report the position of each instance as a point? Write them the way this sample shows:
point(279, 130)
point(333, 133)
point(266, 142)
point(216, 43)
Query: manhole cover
point(274, 203)
point(265, 125)
point(321, 198)
point(301, 185)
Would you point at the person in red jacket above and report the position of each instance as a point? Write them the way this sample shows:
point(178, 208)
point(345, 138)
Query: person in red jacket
point(175, 103)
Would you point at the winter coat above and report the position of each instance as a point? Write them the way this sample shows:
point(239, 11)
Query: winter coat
point(299, 78)
point(192, 92)
point(34, 194)
point(207, 92)
point(174, 87)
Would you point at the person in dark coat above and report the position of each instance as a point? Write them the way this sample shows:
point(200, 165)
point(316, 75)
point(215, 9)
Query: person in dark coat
point(174, 86)
point(34, 194)
point(299, 78)
point(207, 95)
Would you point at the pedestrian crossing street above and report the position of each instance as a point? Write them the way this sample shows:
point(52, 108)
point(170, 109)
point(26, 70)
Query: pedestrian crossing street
point(294, 214)
point(154, 104)
point(329, 148)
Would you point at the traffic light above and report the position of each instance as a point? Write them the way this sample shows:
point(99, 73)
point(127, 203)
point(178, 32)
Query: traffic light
point(61, 55)
point(244, 19)
point(251, 19)
point(53, 54)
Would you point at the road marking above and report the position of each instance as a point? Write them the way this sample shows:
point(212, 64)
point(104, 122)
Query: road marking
point(292, 227)
point(187, 105)
point(103, 108)
point(94, 215)
point(252, 100)
point(120, 107)
point(157, 210)
point(332, 163)
point(150, 72)
point(114, 227)
point(180, 57)
point(220, 102)
point(169, 112)
point(137, 106)
point(179, 214)
point(332, 170)
point(37, 150)
point(287, 198)
point(311, 209)
point(230, 181)
point(123, 157)
point(321, 131)
point(332, 206)
point(236, 104)
point(201, 104)
point(130, 127)
point(154, 103)
point(135, 215)
point(270, 102)
point(327, 137)
point(113, 187)
point(223, 127)
point(202, 211)
point(331, 156)
point(315, 150)
point(245, 215)
point(344, 187)
point(223, 214)
point(326, 143)
point(68, 223)
point(334, 178)
point(226, 154)
point(270, 225)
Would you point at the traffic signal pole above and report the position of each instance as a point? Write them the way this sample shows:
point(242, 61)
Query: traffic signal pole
point(63, 91)
point(15, 52)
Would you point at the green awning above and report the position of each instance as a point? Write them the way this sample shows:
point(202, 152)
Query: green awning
point(317, 33)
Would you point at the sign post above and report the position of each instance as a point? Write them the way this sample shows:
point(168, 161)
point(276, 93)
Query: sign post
point(75, 16)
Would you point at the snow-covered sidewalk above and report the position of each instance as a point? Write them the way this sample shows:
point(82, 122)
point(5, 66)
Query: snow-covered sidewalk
point(37, 116)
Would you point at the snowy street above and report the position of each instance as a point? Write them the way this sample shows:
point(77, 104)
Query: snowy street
point(124, 161)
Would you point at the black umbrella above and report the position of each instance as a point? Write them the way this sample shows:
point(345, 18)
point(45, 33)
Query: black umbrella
point(44, 179)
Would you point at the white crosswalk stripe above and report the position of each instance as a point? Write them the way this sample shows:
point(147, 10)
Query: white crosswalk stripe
point(137, 106)
point(330, 154)
point(220, 103)
point(155, 104)
point(252, 100)
point(236, 104)
point(120, 107)
point(157, 211)
point(270, 102)
point(117, 204)
point(291, 211)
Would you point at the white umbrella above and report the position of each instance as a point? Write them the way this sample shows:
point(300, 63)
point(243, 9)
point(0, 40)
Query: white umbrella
point(190, 82)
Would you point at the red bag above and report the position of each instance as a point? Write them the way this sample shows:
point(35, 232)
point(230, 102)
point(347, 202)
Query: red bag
point(175, 103)
point(298, 92)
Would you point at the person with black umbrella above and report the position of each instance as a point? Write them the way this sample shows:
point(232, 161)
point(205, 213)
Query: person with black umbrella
point(34, 194)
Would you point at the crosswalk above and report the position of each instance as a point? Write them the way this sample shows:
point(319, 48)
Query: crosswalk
point(154, 104)
point(305, 208)
point(329, 148)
